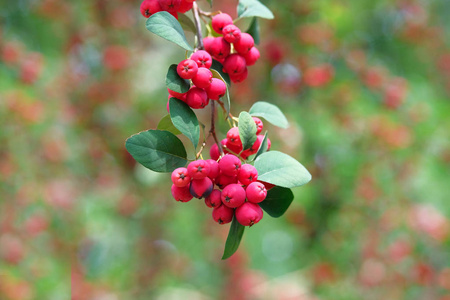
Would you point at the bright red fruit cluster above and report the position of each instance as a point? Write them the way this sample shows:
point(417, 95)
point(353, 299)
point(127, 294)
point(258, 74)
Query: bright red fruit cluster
point(237, 194)
point(234, 49)
point(149, 7)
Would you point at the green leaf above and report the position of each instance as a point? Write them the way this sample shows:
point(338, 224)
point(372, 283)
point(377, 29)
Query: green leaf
point(277, 201)
point(166, 26)
point(281, 169)
point(184, 119)
point(219, 68)
point(233, 239)
point(210, 2)
point(186, 23)
point(269, 112)
point(247, 130)
point(174, 82)
point(227, 104)
point(263, 147)
point(253, 30)
point(166, 124)
point(157, 150)
point(253, 8)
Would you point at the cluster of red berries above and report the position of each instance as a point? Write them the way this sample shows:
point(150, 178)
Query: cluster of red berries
point(234, 59)
point(149, 7)
point(233, 144)
point(204, 87)
point(237, 194)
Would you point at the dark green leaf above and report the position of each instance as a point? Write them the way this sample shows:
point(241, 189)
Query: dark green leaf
point(186, 23)
point(219, 68)
point(281, 169)
point(253, 30)
point(269, 112)
point(184, 119)
point(174, 82)
point(263, 147)
point(247, 130)
point(253, 8)
point(277, 201)
point(158, 150)
point(233, 239)
point(166, 124)
point(166, 26)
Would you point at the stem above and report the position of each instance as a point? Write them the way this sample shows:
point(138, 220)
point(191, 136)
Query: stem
point(212, 131)
point(195, 9)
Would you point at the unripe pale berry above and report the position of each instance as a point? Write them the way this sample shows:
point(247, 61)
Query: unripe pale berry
point(187, 69)
point(202, 58)
point(223, 180)
point(170, 6)
point(185, 6)
point(203, 78)
point(201, 188)
point(181, 194)
point(252, 56)
point(214, 152)
point(231, 33)
point(214, 199)
point(237, 78)
point(219, 21)
point(180, 177)
point(198, 169)
point(230, 165)
point(233, 137)
point(214, 170)
point(249, 214)
point(220, 48)
point(256, 192)
point(149, 7)
point(216, 89)
point(197, 98)
point(223, 214)
point(234, 64)
point(244, 44)
point(247, 174)
point(259, 124)
point(233, 195)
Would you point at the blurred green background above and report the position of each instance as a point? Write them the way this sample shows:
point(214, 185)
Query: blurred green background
point(366, 87)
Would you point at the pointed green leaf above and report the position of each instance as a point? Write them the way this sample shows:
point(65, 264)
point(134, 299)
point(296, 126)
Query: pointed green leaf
point(253, 30)
point(166, 26)
point(186, 23)
point(184, 119)
point(253, 8)
point(277, 201)
point(157, 150)
point(263, 147)
point(233, 239)
point(247, 130)
point(174, 82)
point(281, 169)
point(219, 68)
point(269, 112)
point(166, 124)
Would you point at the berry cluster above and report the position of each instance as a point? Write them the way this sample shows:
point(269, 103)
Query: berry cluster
point(234, 49)
point(149, 7)
point(237, 194)
point(233, 144)
point(204, 87)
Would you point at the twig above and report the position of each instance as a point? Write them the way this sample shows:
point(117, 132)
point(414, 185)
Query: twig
point(195, 9)
point(212, 131)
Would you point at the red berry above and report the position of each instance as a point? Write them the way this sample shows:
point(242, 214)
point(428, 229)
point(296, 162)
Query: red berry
point(187, 69)
point(207, 42)
point(233, 148)
point(214, 170)
point(181, 194)
point(170, 6)
point(149, 7)
point(234, 64)
point(233, 137)
point(197, 98)
point(219, 21)
point(223, 214)
point(214, 152)
point(268, 144)
point(214, 199)
point(223, 180)
point(198, 169)
point(202, 58)
point(230, 165)
point(259, 124)
point(180, 177)
point(181, 96)
point(201, 188)
point(251, 56)
point(254, 148)
point(244, 44)
point(220, 48)
point(203, 78)
point(216, 89)
point(247, 174)
point(249, 214)
point(233, 195)
point(256, 192)
point(231, 33)
point(267, 185)
point(239, 77)
point(185, 6)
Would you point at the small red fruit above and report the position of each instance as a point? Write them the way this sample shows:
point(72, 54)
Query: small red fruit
point(203, 78)
point(187, 69)
point(244, 44)
point(149, 7)
point(181, 194)
point(247, 174)
point(233, 195)
point(220, 48)
point(202, 58)
point(249, 214)
point(252, 56)
point(256, 192)
point(233, 137)
point(216, 89)
point(231, 33)
point(198, 169)
point(219, 21)
point(201, 188)
point(214, 170)
point(170, 6)
point(230, 165)
point(234, 64)
point(214, 199)
point(180, 177)
point(223, 214)
point(197, 98)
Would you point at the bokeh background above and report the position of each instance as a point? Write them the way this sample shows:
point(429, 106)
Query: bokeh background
point(366, 87)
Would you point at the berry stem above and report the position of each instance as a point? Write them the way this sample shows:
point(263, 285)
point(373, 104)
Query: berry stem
point(212, 131)
point(195, 9)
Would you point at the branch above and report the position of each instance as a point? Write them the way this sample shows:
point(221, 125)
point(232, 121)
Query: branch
point(212, 131)
point(195, 9)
